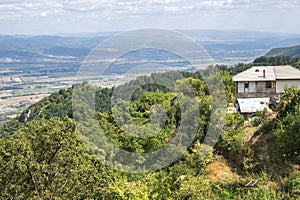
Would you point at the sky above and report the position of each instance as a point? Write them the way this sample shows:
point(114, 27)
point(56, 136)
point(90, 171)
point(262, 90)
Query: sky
point(41, 17)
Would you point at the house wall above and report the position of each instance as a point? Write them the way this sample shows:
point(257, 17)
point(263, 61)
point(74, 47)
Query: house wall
point(240, 87)
point(280, 84)
point(252, 86)
point(256, 90)
point(261, 87)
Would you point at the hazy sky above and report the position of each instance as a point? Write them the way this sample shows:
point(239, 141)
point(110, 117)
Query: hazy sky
point(66, 16)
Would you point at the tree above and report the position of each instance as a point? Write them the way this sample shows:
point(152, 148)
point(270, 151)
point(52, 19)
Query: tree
point(47, 160)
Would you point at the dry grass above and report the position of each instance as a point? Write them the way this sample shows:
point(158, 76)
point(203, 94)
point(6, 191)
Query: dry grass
point(6, 94)
point(219, 171)
point(13, 100)
point(296, 167)
point(272, 185)
point(248, 133)
point(272, 116)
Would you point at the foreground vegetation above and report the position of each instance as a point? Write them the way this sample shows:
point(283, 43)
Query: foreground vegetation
point(42, 155)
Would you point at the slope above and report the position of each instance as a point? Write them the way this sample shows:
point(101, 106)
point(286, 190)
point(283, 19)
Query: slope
point(44, 157)
point(285, 51)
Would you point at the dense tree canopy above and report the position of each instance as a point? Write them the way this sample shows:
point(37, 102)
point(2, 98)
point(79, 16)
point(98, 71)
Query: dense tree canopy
point(277, 60)
point(43, 155)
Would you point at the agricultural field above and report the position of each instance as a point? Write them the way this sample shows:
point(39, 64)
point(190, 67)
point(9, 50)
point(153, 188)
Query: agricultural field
point(18, 91)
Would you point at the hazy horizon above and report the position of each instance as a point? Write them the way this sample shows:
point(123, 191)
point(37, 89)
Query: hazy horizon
point(113, 32)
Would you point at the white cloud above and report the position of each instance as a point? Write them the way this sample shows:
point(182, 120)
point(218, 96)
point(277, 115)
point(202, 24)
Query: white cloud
point(44, 14)
point(165, 1)
point(134, 13)
point(172, 9)
point(132, 7)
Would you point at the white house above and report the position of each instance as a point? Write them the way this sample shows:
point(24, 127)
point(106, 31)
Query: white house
point(255, 86)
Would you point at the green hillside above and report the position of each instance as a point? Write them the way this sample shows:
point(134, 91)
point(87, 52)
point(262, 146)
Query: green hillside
point(277, 60)
point(43, 156)
point(285, 51)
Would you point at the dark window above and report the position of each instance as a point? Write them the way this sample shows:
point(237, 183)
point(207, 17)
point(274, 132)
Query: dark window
point(269, 85)
point(246, 85)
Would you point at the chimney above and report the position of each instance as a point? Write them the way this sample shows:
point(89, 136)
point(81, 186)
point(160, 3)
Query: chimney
point(264, 73)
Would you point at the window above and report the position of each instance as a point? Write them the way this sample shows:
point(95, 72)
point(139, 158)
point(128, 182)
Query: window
point(269, 85)
point(246, 86)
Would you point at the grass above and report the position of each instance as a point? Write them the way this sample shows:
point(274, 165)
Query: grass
point(219, 171)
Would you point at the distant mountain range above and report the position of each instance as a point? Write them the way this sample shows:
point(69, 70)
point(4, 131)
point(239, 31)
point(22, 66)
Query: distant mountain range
point(225, 47)
point(47, 45)
point(285, 51)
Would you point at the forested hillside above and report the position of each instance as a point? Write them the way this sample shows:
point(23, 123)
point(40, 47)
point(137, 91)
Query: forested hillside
point(42, 155)
point(285, 51)
point(277, 60)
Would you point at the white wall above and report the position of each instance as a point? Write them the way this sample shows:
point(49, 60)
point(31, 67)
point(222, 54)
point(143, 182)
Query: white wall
point(252, 86)
point(241, 87)
point(280, 84)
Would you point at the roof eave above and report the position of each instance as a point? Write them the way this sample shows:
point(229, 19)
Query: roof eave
point(238, 80)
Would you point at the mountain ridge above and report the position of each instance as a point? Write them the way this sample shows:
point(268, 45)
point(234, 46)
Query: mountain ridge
point(292, 51)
